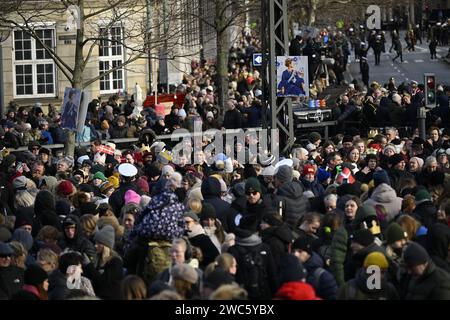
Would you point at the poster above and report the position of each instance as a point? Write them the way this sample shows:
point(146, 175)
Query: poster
point(70, 108)
point(292, 76)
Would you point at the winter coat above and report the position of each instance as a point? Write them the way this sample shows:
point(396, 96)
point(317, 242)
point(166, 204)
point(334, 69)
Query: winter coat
point(295, 204)
point(119, 132)
point(11, 281)
point(397, 177)
point(44, 209)
point(57, 286)
point(324, 282)
point(237, 208)
point(434, 284)
point(211, 194)
point(250, 243)
point(232, 119)
point(278, 239)
point(357, 260)
point(438, 245)
point(199, 239)
point(315, 187)
point(79, 242)
point(340, 253)
point(356, 289)
point(58, 135)
point(387, 197)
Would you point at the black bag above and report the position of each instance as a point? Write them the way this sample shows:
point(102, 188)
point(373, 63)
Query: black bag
point(254, 273)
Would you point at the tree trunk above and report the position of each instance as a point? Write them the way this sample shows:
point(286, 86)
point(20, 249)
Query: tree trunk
point(222, 56)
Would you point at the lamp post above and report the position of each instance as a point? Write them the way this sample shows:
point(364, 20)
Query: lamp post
point(4, 35)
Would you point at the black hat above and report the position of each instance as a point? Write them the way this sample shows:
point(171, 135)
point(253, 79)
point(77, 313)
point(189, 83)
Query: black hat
point(347, 138)
point(249, 223)
point(217, 278)
point(45, 151)
point(70, 220)
point(395, 159)
point(208, 211)
point(5, 249)
point(415, 255)
point(35, 275)
point(364, 237)
point(314, 137)
point(291, 269)
point(303, 243)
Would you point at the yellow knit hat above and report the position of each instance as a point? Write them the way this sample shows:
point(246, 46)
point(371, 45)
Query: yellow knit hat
point(376, 259)
point(114, 181)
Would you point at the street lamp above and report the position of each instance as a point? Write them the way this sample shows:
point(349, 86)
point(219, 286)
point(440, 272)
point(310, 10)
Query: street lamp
point(4, 35)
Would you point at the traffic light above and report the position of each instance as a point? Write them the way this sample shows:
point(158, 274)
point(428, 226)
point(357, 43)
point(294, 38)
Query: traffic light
point(430, 90)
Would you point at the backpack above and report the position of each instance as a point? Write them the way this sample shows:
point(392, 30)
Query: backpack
point(254, 272)
point(316, 277)
point(156, 260)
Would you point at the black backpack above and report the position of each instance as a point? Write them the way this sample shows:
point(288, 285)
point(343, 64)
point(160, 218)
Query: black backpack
point(254, 273)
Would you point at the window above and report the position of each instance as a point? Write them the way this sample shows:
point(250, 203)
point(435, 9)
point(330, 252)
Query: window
point(34, 70)
point(111, 56)
point(190, 23)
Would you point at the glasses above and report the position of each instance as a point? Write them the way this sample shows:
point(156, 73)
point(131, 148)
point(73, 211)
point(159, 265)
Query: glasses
point(253, 193)
point(35, 148)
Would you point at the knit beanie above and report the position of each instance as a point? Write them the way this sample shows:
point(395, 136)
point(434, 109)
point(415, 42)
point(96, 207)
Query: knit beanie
point(35, 275)
point(395, 159)
point(391, 147)
point(192, 215)
point(105, 236)
point(167, 170)
point(208, 211)
point(20, 183)
point(418, 160)
point(284, 174)
point(304, 244)
point(184, 272)
point(415, 254)
point(322, 175)
point(395, 233)
point(132, 197)
point(24, 237)
point(308, 169)
point(142, 184)
point(99, 175)
point(363, 237)
point(291, 269)
point(376, 259)
point(252, 184)
point(422, 196)
point(114, 181)
point(364, 212)
point(65, 188)
point(381, 176)
point(272, 219)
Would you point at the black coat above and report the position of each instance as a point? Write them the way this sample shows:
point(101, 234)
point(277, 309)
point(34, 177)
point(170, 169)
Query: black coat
point(438, 244)
point(57, 286)
point(11, 281)
point(116, 201)
point(434, 284)
point(232, 119)
point(211, 194)
point(209, 250)
point(79, 243)
point(426, 213)
point(278, 239)
point(106, 281)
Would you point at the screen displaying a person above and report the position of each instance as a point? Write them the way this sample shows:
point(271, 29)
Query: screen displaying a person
point(69, 112)
point(292, 82)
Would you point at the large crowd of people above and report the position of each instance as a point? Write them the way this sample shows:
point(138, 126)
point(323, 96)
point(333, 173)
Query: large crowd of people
point(150, 223)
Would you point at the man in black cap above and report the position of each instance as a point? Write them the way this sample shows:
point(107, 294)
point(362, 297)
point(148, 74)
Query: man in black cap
point(397, 172)
point(427, 282)
point(322, 280)
point(11, 277)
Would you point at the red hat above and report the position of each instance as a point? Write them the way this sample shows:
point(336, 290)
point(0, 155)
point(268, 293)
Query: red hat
point(143, 184)
point(309, 168)
point(65, 188)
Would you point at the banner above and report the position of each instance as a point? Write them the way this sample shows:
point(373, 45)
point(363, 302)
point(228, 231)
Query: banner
point(292, 76)
point(70, 108)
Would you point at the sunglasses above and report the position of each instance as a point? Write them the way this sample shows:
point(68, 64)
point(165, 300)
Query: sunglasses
point(252, 193)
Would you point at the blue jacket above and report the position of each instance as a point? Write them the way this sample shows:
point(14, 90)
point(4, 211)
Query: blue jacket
point(314, 186)
point(325, 284)
point(48, 136)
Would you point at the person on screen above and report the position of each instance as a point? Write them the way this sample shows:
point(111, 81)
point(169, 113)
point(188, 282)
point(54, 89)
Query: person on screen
point(292, 83)
point(69, 112)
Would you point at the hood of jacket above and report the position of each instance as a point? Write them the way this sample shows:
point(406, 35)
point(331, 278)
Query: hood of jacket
point(292, 190)
point(384, 194)
point(250, 241)
point(439, 240)
point(282, 232)
point(45, 203)
point(314, 262)
point(211, 188)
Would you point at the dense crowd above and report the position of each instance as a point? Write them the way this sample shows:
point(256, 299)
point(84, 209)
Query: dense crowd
point(149, 222)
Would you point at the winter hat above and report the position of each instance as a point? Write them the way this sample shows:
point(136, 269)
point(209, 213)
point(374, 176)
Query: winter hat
point(114, 181)
point(81, 159)
point(304, 244)
point(217, 278)
point(228, 166)
point(347, 138)
point(415, 254)
point(395, 159)
point(418, 160)
point(142, 184)
point(192, 215)
point(5, 234)
point(99, 175)
point(24, 217)
point(249, 223)
point(20, 183)
point(308, 169)
point(5, 249)
point(164, 157)
point(291, 269)
point(106, 187)
point(381, 176)
point(35, 275)
point(363, 237)
point(395, 233)
point(422, 196)
point(322, 175)
point(268, 171)
point(345, 175)
point(24, 237)
point(376, 259)
point(184, 272)
point(284, 174)
point(311, 147)
point(208, 211)
point(50, 182)
point(66, 188)
point(272, 219)
point(131, 197)
point(436, 178)
point(167, 170)
point(252, 184)
point(391, 147)
point(88, 208)
point(70, 220)
point(364, 212)
point(314, 137)
point(105, 236)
